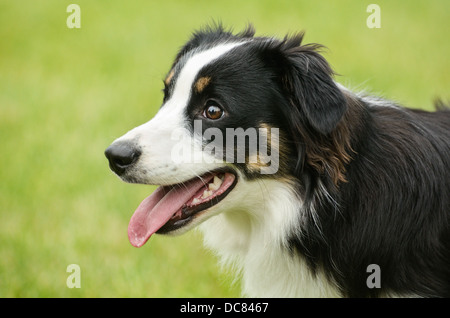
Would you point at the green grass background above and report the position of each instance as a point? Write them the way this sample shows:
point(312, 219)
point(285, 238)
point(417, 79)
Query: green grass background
point(65, 94)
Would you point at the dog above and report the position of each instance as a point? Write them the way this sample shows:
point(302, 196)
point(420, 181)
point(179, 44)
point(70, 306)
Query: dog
point(344, 195)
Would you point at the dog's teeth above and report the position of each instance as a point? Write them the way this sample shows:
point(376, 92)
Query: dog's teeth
point(206, 194)
point(215, 185)
point(195, 201)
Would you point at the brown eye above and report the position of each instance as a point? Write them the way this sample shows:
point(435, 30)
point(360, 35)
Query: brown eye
point(212, 111)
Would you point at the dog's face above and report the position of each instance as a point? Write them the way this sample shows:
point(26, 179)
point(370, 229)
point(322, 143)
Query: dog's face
point(232, 105)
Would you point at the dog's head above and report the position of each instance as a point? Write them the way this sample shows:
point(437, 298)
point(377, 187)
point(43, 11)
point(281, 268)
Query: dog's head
point(236, 109)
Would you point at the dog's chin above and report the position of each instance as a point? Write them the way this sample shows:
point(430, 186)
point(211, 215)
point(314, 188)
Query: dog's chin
point(176, 208)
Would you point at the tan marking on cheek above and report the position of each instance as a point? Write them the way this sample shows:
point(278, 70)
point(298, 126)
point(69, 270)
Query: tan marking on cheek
point(169, 77)
point(201, 83)
point(278, 153)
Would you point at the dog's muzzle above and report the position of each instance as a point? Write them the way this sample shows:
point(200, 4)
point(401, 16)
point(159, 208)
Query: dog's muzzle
point(121, 155)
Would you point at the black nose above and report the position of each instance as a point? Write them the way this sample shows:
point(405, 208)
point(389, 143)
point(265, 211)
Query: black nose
point(121, 155)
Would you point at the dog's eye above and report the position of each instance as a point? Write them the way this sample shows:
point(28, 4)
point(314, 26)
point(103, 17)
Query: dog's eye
point(212, 111)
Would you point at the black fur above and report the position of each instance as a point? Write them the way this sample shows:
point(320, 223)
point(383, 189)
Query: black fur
point(375, 177)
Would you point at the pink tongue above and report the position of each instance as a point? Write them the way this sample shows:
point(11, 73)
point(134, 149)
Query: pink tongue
point(158, 208)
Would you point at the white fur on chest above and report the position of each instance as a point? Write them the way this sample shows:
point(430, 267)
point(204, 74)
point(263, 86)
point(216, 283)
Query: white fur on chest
point(250, 235)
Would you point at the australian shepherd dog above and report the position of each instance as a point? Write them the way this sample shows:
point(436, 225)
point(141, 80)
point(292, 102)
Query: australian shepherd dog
point(305, 188)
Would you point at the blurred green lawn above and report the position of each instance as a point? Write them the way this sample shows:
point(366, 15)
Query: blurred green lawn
point(65, 94)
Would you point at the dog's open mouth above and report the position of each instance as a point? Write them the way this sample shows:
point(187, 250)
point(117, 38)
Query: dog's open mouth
point(171, 207)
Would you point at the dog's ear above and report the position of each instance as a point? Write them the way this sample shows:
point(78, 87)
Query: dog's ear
point(307, 78)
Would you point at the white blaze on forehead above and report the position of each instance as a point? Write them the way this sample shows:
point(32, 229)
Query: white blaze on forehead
point(188, 74)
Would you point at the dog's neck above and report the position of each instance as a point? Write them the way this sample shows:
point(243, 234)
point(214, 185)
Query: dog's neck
point(252, 239)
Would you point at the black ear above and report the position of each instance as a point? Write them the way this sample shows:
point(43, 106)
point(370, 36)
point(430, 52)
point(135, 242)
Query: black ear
point(307, 77)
